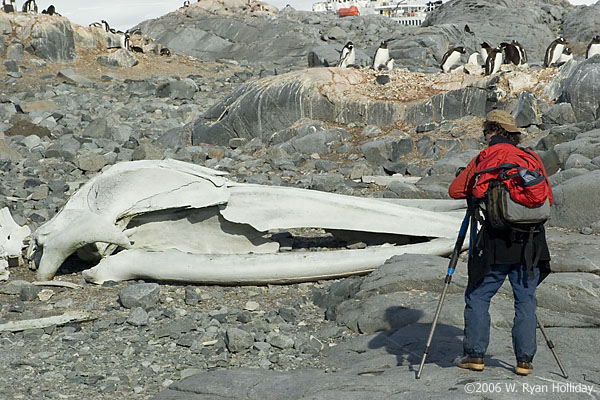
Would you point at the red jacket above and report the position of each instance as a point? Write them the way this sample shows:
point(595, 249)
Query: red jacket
point(462, 186)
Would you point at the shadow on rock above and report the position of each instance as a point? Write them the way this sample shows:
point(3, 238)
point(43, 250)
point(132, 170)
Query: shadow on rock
point(407, 338)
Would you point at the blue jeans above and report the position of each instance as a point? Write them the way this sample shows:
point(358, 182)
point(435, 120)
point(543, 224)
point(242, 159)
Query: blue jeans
point(477, 316)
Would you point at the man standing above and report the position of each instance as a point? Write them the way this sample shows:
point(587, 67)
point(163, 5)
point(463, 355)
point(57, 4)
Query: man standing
point(498, 254)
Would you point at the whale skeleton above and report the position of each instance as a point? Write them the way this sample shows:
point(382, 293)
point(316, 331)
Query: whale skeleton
point(174, 221)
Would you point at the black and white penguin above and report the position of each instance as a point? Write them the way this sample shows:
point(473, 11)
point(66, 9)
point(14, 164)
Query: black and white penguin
point(51, 10)
point(468, 30)
point(475, 59)
point(8, 6)
point(165, 52)
point(511, 53)
point(485, 49)
point(95, 24)
point(126, 43)
point(105, 25)
point(554, 51)
point(30, 7)
point(452, 58)
point(593, 48)
point(565, 57)
point(493, 61)
point(186, 3)
point(522, 52)
point(347, 56)
point(382, 55)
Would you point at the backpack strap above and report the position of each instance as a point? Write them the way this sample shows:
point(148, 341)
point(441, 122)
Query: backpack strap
point(501, 166)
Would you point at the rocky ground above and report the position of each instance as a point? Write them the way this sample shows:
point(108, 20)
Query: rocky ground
point(358, 337)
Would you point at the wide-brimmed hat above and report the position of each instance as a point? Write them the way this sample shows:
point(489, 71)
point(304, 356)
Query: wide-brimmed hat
point(504, 119)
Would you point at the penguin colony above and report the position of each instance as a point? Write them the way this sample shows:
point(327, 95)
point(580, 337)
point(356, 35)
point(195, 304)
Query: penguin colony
point(488, 59)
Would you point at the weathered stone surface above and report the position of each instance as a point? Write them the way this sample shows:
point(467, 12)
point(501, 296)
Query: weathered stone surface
point(120, 58)
point(144, 295)
point(581, 90)
point(52, 40)
point(525, 112)
point(180, 89)
point(576, 203)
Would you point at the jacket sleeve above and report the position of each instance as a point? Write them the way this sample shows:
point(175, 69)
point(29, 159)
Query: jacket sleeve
point(550, 195)
point(462, 186)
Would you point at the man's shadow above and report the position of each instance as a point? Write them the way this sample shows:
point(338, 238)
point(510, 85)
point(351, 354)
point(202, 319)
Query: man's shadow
point(407, 337)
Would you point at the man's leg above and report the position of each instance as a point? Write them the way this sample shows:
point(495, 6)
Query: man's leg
point(525, 322)
point(477, 316)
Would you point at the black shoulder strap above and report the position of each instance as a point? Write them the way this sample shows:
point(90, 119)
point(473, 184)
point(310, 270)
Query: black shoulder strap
point(501, 166)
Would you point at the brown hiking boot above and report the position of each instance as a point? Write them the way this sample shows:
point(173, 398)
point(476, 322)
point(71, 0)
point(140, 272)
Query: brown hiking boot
point(524, 368)
point(472, 363)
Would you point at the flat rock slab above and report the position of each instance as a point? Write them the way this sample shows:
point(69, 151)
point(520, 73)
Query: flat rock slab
point(383, 366)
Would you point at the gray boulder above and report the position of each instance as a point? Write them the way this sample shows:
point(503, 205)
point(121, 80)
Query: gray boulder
point(580, 24)
point(177, 89)
point(144, 295)
point(52, 40)
point(450, 105)
point(261, 108)
point(576, 202)
point(525, 112)
point(120, 58)
point(581, 90)
point(384, 150)
point(559, 114)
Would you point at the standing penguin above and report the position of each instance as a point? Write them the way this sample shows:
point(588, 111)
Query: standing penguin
point(8, 6)
point(452, 58)
point(593, 48)
point(348, 56)
point(494, 61)
point(554, 51)
point(382, 55)
point(30, 7)
point(522, 52)
point(485, 49)
point(511, 53)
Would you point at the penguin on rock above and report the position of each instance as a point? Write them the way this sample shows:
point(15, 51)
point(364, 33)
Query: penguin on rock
point(494, 61)
point(485, 49)
point(382, 55)
point(593, 47)
point(554, 51)
point(348, 56)
point(452, 58)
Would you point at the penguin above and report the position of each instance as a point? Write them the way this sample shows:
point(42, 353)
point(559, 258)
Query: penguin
point(468, 30)
point(382, 55)
point(485, 49)
point(566, 56)
point(452, 58)
point(51, 10)
point(30, 7)
point(105, 25)
point(493, 61)
point(347, 57)
point(95, 24)
point(8, 6)
point(390, 64)
point(554, 51)
point(126, 43)
point(522, 52)
point(186, 3)
point(165, 52)
point(136, 49)
point(511, 53)
point(593, 48)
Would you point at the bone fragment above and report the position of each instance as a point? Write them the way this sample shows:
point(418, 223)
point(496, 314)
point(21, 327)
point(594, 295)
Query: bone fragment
point(66, 284)
point(71, 316)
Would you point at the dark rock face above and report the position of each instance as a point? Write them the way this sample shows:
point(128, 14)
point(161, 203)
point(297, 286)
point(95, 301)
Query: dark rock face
point(53, 41)
point(580, 24)
point(533, 23)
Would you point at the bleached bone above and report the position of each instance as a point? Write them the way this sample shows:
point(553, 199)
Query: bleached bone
point(174, 216)
point(252, 269)
point(70, 316)
point(11, 235)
